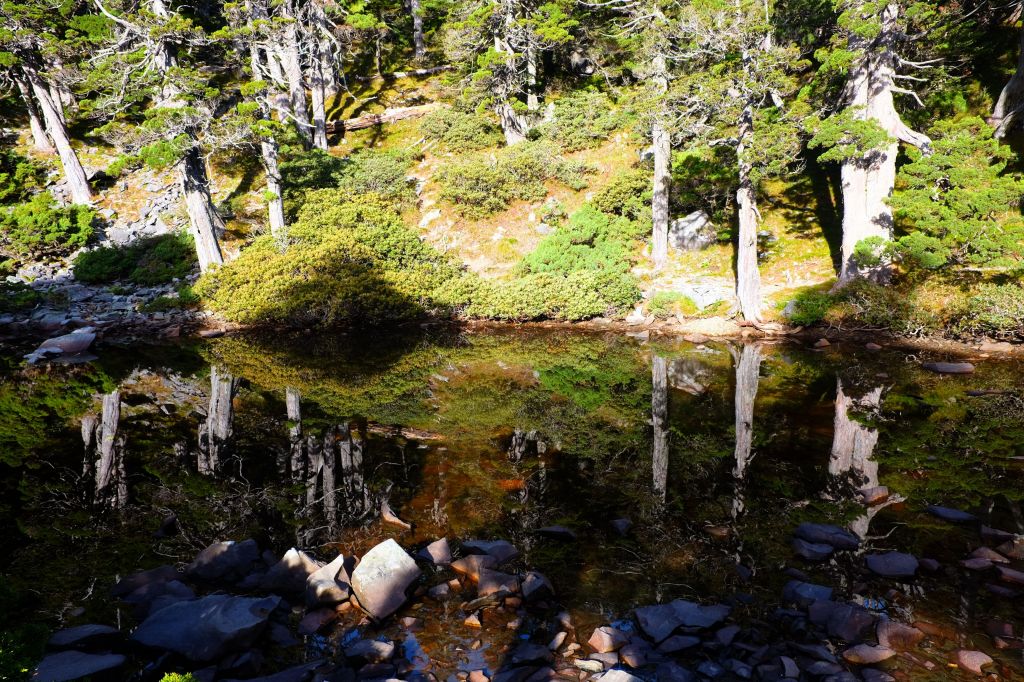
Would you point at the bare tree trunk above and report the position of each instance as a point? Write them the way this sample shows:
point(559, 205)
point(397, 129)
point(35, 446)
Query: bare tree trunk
point(215, 432)
point(293, 73)
point(296, 442)
point(850, 465)
point(318, 95)
point(74, 174)
point(662, 182)
point(868, 180)
point(748, 276)
point(419, 45)
point(1011, 99)
point(532, 99)
point(659, 421)
point(748, 374)
point(104, 454)
point(39, 140)
point(514, 125)
point(275, 202)
point(205, 224)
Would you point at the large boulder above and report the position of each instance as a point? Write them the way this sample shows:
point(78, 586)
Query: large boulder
point(84, 637)
point(661, 620)
point(69, 344)
point(205, 629)
point(331, 584)
point(227, 560)
point(692, 232)
point(129, 584)
point(382, 577)
point(75, 665)
point(291, 572)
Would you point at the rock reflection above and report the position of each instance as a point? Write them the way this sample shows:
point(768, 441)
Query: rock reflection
point(104, 454)
point(215, 432)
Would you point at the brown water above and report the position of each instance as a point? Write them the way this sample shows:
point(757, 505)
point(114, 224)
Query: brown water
point(715, 452)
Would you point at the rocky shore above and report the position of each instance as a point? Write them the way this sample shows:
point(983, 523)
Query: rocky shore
point(236, 612)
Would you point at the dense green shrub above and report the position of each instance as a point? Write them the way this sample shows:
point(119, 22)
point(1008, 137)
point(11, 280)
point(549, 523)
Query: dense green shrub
point(19, 176)
point(627, 195)
point(148, 261)
point(809, 306)
point(15, 296)
point(461, 131)
point(582, 120)
point(366, 171)
point(480, 185)
point(994, 309)
point(665, 304)
point(184, 299)
point(349, 260)
point(38, 227)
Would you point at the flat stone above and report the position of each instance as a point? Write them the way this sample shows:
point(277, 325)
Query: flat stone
point(973, 661)
point(207, 628)
point(227, 560)
point(949, 367)
point(471, 565)
point(537, 587)
point(75, 665)
point(634, 654)
point(493, 582)
point(898, 636)
point(331, 584)
point(892, 564)
point(804, 594)
point(605, 639)
point(677, 643)
point(827, 534)
point(501, 550)
point(316, 619)
point(438, 553)
point(976, 564)
point(620, 676)
point(812, 551)
point(726, 635)
point(694, 615)
point(1009, 575)
point(371, 651)
point(129, 584)
point(867, 654)
point(291, 573)
point(951, 515)
point(84, 636)
point(994, 535)
point(382, 578)
point(847, 622)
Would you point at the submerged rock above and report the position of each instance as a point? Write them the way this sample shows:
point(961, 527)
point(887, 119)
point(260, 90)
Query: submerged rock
point(227, 560)
point(205, 629)
point(892, 564)
point(951, 515)
point(949, 367)
point(69, 344)
point(75, 665)
point(382, 577)
point(827, 534)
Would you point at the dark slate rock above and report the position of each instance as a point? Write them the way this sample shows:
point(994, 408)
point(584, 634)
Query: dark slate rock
point(673, 672)
point(827, 534)
point(951, 515)
point(873, 675)
point(438, 553)
point(537, 587)
point(949, 367)
point(205, 629)
point(710, 669)
point(622, 526)
point(371, 651)
point(657, 621)
point(822, 668)
point(501, 550)
point(994, 535)
point(527, 654)
point(557, 533)
point(812, 551)
point(84, 637)
point(694, 615)
point(291, 573)
point(805, 594)
point(892, 564)
point(726, 635)
point(129, 584)
point(816, 651)
point(678, 643)
point(930, 565)
point(227, 560)
point(74, 665)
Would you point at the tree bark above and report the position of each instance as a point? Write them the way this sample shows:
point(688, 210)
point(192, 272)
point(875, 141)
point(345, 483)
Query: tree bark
point(104, 454)
point(318, 94)
point(215, 432)
point(203, 219)
point(659, 422)
point(748, 375)
point(850, 466)
point(293, 73)
point(748, 276)
point(868, 180)
point(662, 181)
point(419, 45)
point(532, 99)
point(275, 203)
point(39, 140)
point(74, 173)
point(1011, 100)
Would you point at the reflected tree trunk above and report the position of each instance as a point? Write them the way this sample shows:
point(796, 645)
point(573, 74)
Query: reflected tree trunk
point(215, 433)
point(850, 466)
point(104, 454)
point(748, 374)
point(659, 422)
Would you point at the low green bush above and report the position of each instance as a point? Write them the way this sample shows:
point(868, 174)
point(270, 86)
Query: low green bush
point(461, 131)
point(15, 296)
point(20, 176)
point(148, 261)
point(994, 310)
point(480, 185)
point(810, 306)
point(582, 120)
point(186, 298)
point(627, 195)
point(39, 228)
point(665, 304)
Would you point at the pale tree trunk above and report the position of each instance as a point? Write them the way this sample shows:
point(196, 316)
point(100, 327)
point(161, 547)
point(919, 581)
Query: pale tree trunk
point(850, 466)
point(659, 422)
point(215, 432)
point(104, 454)
point(293, 73)
point(166, 58)
point(662, 182)
point(296, 444)
point(868, 180)
point(350, 457)
point(532, 99)
point(317, 96)
point(748, 276)
point(205, 224)
point(74, 173)
point(513, 124)
point(1011, 99)
point(39, 140)
point(419, 45)
point(269, 150)
point(748, 374)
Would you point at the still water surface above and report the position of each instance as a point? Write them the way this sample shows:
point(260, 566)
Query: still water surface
point(714, 451)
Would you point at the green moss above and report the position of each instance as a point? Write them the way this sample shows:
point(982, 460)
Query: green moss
point(664, 304)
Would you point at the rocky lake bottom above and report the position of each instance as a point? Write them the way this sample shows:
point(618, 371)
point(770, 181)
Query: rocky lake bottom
point(511, 505)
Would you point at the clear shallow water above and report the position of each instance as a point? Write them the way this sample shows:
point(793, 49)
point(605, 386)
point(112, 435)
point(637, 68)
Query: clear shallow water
point(715, 452)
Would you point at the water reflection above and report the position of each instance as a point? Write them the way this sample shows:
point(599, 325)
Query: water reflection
point(104, 454)
point(659, 422)
point(216, 430)
point(748, 373)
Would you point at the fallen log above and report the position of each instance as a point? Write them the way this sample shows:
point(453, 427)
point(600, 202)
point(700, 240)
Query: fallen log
point(387, 116)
